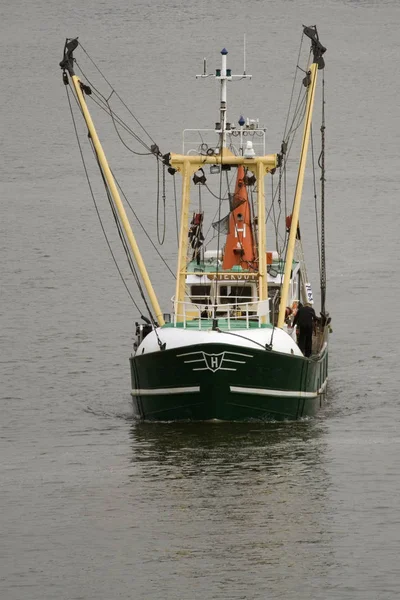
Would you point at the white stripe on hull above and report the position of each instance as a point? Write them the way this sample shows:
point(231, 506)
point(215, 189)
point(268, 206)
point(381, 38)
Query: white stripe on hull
point(235, 389)
point(165, 391)
point(279, 393)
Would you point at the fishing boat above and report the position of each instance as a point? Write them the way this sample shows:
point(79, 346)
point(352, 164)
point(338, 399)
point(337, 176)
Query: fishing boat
point(229, 349)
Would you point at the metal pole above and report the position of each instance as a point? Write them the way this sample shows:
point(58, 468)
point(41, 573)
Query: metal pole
point(262, 234)
point(183, 239)
point(297, 198)
point(117, 201)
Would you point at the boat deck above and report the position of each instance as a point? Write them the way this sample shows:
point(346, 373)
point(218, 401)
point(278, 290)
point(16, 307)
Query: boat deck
point(223, 324)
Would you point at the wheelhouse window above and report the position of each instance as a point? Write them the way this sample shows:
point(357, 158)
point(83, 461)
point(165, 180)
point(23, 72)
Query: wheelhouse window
point(235, 294)
point(223, 294)
point(200, 294)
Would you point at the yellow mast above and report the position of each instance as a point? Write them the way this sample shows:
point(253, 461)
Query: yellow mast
point(187, 170)
point(262, 238)
point(297, 198)
point(67, 64)
point(318, 63)
point(189, 164)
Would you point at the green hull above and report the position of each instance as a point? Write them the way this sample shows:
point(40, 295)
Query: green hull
point(230, 383)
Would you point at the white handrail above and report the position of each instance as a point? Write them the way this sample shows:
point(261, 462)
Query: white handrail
point(245, 312)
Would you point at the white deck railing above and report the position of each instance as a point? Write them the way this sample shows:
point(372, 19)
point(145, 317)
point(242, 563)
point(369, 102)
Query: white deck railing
point(245, 312)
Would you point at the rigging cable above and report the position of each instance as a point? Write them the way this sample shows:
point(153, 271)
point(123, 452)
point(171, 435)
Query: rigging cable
point(299, 116)
point(161, 239)
point(176, 212)
point(143, 228)
point(127, 250)
point(288, 141)
point(321, 162)
point(103, 102)
point(130, 262)
point(297, 108)
point(281, 168)
point(122, 236)
point(218, 233)
point(112, 115)
point(293, 86)
point(315, 199)
point(116, 93)
point(263, 346)
point(123, 193)
point(305, 116)
point(275, 221)
point(103, 105)
point(94, 201)
point(212, 193)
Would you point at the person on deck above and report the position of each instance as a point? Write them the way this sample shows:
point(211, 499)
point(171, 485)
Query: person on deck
point(305, 319)
point(196, 236)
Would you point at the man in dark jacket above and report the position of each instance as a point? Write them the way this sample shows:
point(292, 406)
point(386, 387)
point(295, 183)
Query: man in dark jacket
point(304, 319)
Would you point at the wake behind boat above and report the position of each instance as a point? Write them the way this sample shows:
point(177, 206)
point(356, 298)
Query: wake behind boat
point(242, 341)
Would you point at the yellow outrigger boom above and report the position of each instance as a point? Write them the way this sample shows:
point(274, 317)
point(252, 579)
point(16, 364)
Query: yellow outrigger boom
point(67, 65)
point(311, 79)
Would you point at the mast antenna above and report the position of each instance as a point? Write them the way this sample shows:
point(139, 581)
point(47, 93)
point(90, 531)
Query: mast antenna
point(223, 75)
point(244, 54)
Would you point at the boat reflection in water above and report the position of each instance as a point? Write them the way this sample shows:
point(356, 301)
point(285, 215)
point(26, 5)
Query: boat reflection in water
point(213, 448)
point(248, 501)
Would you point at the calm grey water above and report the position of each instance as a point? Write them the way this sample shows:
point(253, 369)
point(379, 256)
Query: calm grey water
point(96, 507)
